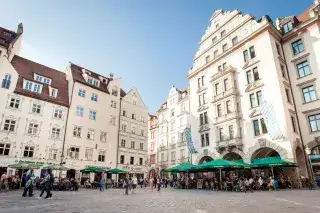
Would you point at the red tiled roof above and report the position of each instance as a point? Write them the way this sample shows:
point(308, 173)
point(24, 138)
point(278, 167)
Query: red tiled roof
point(26, 70)
point(305, 15)
point(77, 76)
point(6, 37)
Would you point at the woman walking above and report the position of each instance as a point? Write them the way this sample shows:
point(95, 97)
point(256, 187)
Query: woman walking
point(29, 179)
point(47, 185)
point(102, 183)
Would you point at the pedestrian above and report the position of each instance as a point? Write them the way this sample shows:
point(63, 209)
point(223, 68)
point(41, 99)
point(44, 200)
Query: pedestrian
point(134, 183)
point(151, 183)
point(47, 181)
point(102, 183)
point(126, 185)
point(4, 182)
point(155, 185)
point(29, 180)
point(141, 182)
point(159, 184)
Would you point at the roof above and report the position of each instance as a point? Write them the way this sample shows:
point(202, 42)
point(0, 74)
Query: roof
point(77, 76)
point(6, 37)
point(152, 116)
point(122, 93)
point(304, 16)
point(26, 69)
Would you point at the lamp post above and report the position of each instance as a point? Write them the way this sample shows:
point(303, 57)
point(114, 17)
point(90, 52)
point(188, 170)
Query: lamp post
point(308, 152)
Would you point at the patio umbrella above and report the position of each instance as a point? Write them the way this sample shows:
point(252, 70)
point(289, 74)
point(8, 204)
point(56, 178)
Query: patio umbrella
point(92, 170)
point(271, 162)
point(186, 167)
point(116, 171)
point(23, 165)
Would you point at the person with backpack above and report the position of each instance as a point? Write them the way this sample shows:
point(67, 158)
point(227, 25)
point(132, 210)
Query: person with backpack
point(48, 180)
point(29, 180)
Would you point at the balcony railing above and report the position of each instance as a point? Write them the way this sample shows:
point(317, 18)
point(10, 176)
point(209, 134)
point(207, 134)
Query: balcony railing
point(229, 143)
point(163, 148)
point(224, 94)
point(225, 117)
point(173, 146)
point(182, 143)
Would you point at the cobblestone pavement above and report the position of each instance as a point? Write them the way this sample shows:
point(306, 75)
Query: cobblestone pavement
point(166, 201)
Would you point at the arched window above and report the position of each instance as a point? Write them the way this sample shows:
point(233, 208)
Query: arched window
point(316, 150)
point(114, 91)
point(6, 81)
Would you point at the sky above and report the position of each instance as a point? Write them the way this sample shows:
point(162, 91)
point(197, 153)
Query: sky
point(149, 44)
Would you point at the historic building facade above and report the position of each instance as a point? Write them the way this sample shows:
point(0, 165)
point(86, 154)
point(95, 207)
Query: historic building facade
point(133, 134)
point(152, 145)
point(248, 83)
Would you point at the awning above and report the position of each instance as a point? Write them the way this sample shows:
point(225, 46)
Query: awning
point(271, 162)
point(116, 171)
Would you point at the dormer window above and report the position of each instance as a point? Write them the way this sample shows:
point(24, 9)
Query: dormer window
point(33, 87)
point(287, 27)
point(114, 91)
point(53, 92)
point(6, 34)
point(42, 79)
point(93, 82)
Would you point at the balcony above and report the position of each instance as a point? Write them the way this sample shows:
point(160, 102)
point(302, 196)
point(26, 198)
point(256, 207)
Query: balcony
point(183, 160)
point(172, 146)
point(222, 73)
point(203, 128)
point(225, 94)
point(227, 117)
point(182, 143)
point(229, 144)
point(163, 148)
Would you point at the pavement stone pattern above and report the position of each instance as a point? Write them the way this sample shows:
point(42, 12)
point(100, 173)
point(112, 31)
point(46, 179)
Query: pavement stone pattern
point(166, 201)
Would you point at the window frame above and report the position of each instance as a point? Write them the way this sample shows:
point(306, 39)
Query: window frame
point(296, 45)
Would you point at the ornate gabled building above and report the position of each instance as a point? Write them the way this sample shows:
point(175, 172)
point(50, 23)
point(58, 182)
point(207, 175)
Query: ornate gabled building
point(247, 96)
point(10, 42)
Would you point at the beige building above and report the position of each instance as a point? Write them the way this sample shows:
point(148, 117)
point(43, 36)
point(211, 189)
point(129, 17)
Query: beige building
point(133, 138)
point(152, 145)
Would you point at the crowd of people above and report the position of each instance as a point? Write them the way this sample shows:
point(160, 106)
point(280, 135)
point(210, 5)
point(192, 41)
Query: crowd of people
point(8, 182)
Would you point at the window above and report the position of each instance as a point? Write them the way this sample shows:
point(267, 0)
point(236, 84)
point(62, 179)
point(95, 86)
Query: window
point(259, 98)
point(34, 87)
point(235, 41)
point(93, 82)
point(205, 117)
point(33, 128)
point(36, 108)
point(201, 119)
point(124, 113)
point(53, 92)
point(88, 154)
point(288, 95)
point(112, 120)
point(94, 97)
point(216, 53)
point(182, 154)
point(224, 65)
point(309, 94)
point(162, 157)
point(303, 69)
point(121, 159)
point(9, 125)
point(103, 136)
point(223, 33)
point(221, 136)
point(314, 121)
point(14, 103)
point(204, 96)
point(256, 127)
point(131, 160)
point(102, 156)
point(53, 154)
point(114, 91)
point(123, 143)
point(205, 140)
point(224, 47)
point(113, 104)
point(124, 127)
point(228, 106)
point(173, 155)
point(42, 79)
point(287, 27)
point(28, 151)
point(246, 55)
point(90, 134)
point(4, 149)
point(214, 40)
point(133, 116)
point(142, 132)
point(55, 133)
point(134, 103)
point(200, 100)
point(231, 132)
point(226, 84)
point(208, 59)
point(172, 112)
point(133, 129)
point(28, 85)
point(297, 47)
point(253, 102)
point(133, 145)
point(79, 111)
point(141, 119)
point(252, 52)
point(6, 82)
point(140, 161)
point(92, 115)
point(217, 88)
point(219, 110)
point(219, 68)
point(141, 146)
point(58, 113)
point(293, 122)
point(82, 93)
point(77, 131)
point(249, 77)
point(255, 73)
point(263, 126)
point(278, 48)
point(74, 153)
point(283, 71)
point(217, 25)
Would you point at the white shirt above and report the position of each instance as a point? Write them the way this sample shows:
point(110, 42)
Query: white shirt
point(134, 181)
point(250, 180)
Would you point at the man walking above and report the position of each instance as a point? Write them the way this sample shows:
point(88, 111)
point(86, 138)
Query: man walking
point(29, 179)
point(102, 183)
point(47, 185)
point(126, 185)
point(134, 183)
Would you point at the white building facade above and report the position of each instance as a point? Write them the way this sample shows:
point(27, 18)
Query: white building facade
point(133, 134)
point(153, 132)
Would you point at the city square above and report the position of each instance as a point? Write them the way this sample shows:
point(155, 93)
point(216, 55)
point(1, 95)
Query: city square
point(166, 201)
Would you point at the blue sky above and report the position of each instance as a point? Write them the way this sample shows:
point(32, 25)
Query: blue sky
point(150, 44)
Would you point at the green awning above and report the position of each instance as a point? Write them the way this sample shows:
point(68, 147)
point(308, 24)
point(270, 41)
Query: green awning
point(184, 167)
point(271, 162)
point(220, 164)
point(315, 158)
point(92, 170)
point(116, 171)
point(54, 167)
point(24, 165)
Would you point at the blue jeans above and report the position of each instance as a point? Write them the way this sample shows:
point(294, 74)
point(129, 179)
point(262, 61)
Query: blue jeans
point(102, 187)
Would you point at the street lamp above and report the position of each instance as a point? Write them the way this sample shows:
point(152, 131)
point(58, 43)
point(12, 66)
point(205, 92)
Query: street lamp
point(308, 152)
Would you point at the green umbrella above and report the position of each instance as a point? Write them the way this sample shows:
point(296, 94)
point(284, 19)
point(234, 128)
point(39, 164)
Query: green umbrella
point(54, 167)
point(220, 164)
point(186, 167)
point(271, 162)
point(23, 165)
point(116, 171)
point(92, 170)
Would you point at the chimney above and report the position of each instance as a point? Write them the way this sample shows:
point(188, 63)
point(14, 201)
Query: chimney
point(20, 29)
point(278, 23)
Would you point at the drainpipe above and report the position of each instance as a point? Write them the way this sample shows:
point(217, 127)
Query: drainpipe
point(298, 122)
point(118, 136)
